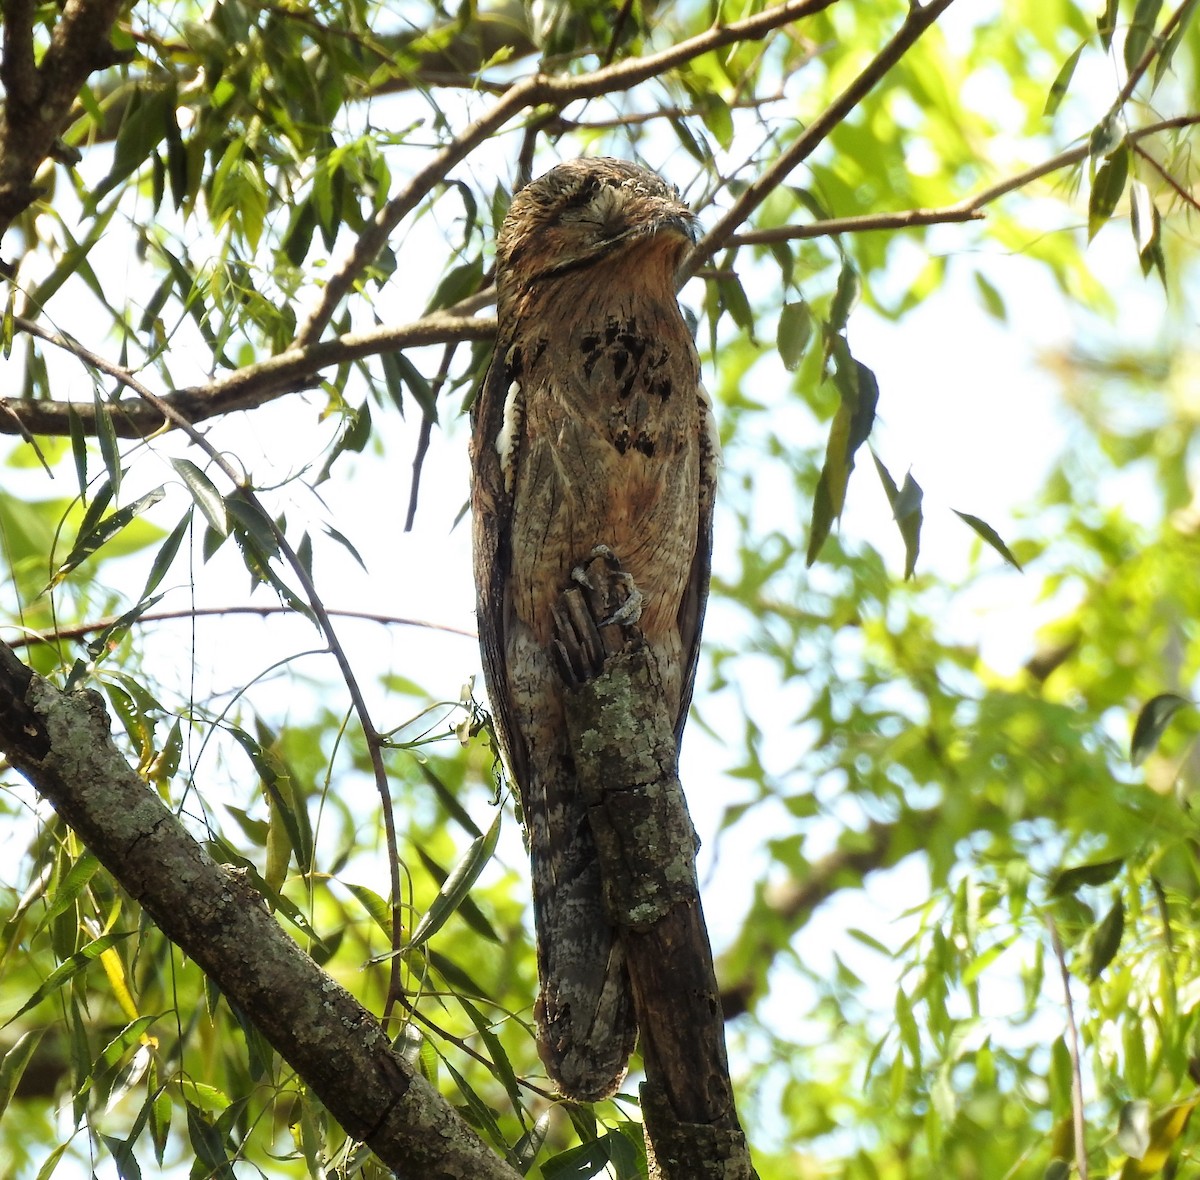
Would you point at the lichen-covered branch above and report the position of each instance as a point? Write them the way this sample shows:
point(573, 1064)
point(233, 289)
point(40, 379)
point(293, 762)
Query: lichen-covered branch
point(623, 744)
point(61, 743)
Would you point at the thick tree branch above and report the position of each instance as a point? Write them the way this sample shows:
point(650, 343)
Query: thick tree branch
point(244, 389)
point(39, 99)
point(623, 746)
point(61, 743)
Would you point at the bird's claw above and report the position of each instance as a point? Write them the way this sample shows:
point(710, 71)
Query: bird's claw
point(630, 611)
point(580, 574)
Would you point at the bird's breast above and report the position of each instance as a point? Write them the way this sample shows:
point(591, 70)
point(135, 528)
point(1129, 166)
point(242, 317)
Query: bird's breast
point(611, 456)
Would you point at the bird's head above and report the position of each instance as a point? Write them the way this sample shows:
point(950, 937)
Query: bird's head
point(590, 213)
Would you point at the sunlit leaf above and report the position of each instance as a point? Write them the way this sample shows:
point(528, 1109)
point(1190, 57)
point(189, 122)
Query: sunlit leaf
point(1152, 721)
point(1062, 82)
point(990, 535)
point(1106, 939)
point(457, 885)
point(1095, 873)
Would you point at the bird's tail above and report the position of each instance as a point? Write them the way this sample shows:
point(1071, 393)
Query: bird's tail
point(585, 1018)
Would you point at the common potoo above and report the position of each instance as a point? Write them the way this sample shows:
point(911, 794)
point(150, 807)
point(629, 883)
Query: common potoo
point(591, 429)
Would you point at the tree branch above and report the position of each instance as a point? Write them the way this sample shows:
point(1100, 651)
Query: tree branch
point(80, 630)
point(61, 743)
point(917, 22)
point(537, 90)
point(243, 389)
point(622, 744)
point(40, 99)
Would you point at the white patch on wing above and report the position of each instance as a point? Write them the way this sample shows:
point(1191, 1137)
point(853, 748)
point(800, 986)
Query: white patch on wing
point(509, 436)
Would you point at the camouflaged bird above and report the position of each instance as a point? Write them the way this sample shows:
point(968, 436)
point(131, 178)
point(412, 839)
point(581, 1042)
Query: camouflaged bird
point(591, 429)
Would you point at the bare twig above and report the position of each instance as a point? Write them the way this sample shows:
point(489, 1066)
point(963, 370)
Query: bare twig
point(80, 630)
point(904, 219)
point(1180, 191)
point(1081, 1163)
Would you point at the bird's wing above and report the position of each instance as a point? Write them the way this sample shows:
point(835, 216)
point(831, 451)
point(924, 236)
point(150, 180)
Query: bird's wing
point(695, 595)
point(491, 511)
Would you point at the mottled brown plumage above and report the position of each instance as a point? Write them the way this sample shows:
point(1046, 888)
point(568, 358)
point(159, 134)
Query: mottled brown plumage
point(592, 428)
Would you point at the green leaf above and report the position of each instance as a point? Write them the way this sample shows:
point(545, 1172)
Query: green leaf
point(1106, 939)
point(1141, 29)
point(167, 552)
point(1106, 24)
point(457, 885)
point(204, 492)
point(67, 970)
point(1167, 52)
point(990, 535)
point(1108, 188)
point(1058, 88)
point(579, 1163)
point(1098, 872)
point(1151, 724)
point(209, 1145)
point(89, 541)
point(107, 436)
point(69, 888)
point(13, 1064)
point(905, 502)
point(376, 906)
point(795, 331)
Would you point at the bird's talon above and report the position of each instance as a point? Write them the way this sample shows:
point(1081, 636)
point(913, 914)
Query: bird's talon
point(630, 611)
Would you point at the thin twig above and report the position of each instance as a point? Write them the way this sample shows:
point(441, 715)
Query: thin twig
point(80, 630)
point(1180, 191)
point(917, 22)
point(1081, 1162)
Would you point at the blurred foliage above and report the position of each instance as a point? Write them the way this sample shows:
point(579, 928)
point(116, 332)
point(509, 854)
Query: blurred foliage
point(870, 752)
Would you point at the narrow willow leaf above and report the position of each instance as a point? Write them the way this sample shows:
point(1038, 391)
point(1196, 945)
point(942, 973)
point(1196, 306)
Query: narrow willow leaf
point(1107, 190)
point(795, 331)
point(204, 492)
point(457, 885)
point(376, 906)
point(1106, 940)
point(13, 1064)
point(78, 448)
point(1098, 872)
point(1167, 52)
point(1151, 724)
point(990, 535)
point(167, 552)
point(67, 970)
point(527, 1147)
point(905, 503)
point(1141, 29)
point(88, 542)
point(579, 1163)
point(107, 436)
point(1060, 85)
point(69, 888)
point(209, 1144)
point(1106, 23)
point(502, 1068)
